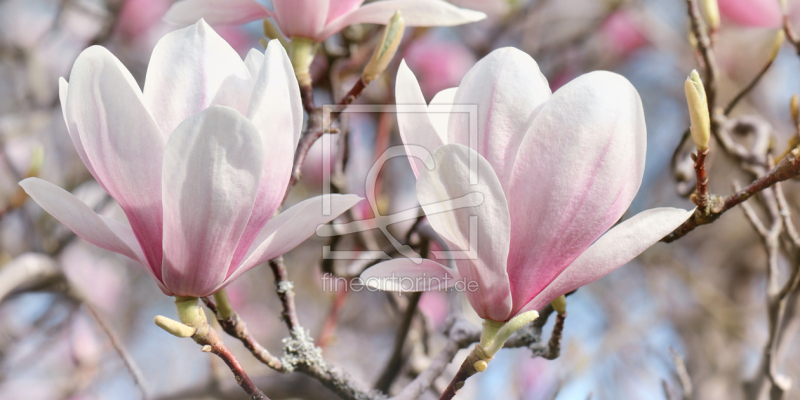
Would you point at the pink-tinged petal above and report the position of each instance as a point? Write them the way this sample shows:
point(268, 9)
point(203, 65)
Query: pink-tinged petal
point(479, 228)
point(276, 102)
point(403, 275)
point(292, 227)
point(616, 248)
point(439, 111)
point(303, 18)
point(121, 140)
point(216, 12)
point(577, 171)
point(508, 89)
point(276, 110)
point(212, 167)
point(77, 216)
point(63, 91)
point(416, 128)
point(186, 70)
point(757, 13)
point(415, 13)
point(337, 8)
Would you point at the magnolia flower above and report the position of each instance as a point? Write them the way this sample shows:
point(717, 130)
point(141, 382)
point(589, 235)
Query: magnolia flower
point(319, 19)
point(555, 172)
point(198, 161)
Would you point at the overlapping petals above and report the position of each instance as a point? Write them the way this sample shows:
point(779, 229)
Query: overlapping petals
point(556, 170)
point(320, 19)
point(199, 162)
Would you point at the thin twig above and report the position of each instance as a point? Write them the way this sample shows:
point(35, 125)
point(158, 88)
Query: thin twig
point(745, 90)
point(285, 291)
point(788, 167)
point(138, 378)
point(237, 328)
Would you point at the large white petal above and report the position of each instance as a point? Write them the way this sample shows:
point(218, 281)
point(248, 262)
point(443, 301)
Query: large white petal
point(186, 70)
point(403, 275)
point(576, 172)
point(508, 89)
point(412, 117)
point(415, 13)
point(292, 227)
point(481, 229)
point(121, 141)
point(439, 111)
point(616, 248)
point(216, 12)
point(212, 167)
point(277, 112)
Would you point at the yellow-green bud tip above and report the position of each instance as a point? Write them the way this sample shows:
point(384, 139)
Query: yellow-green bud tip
point(173, 327)
point(698, 110)
point(384, 53)
point(711, 12)
point(480, 366)
point(560, 304)
point(794, 108)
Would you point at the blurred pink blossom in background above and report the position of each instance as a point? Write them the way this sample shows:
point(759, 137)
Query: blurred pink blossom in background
point(438, 64)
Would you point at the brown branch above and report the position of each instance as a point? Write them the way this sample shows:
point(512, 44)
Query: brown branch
point(747, 88)
point(285, 290)
point(316, 127)
point(788, 167)
point(704, 47)
point(395, 363)
point(208, 338)
point(701, 196)
point(138, 378)
point(237, 328)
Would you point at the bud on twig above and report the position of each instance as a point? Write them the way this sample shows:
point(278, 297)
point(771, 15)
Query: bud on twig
point(384, 53)
point(174, 327)
point(711, 12)
point(698, 111)
point(301, 52)
point(777, 42)
point(560, 304)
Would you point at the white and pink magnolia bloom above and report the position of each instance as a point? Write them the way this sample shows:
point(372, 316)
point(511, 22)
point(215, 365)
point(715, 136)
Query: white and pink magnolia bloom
point(198, 161)
point(320, 19)
point(555, 170)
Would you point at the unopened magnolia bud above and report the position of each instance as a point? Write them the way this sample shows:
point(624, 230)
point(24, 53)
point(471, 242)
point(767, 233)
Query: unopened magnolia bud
point(777, 42)
point(560, 304)
point(794, 108)
point(711, 11)
point(384, 53)
point(173, 327)
point(698, 110)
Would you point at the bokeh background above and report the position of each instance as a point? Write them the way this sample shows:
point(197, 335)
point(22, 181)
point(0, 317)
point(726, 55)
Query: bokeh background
point(701, 299)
